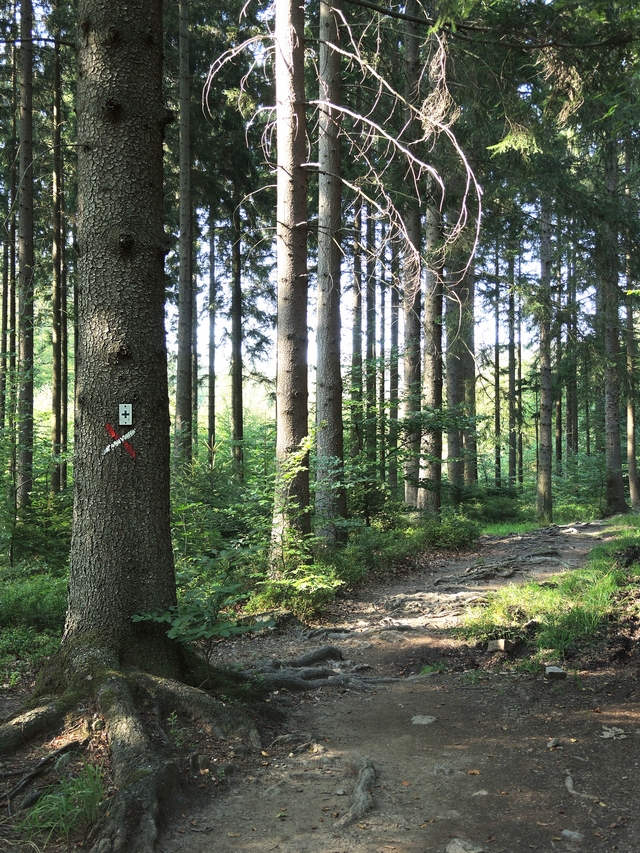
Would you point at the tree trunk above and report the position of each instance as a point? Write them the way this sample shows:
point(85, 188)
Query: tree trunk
point(497, 432)
point(513, 435)
point(394, 372)
point(121, 553)
point(357, 437)
point(544, 503)
point(213, 295)
point(429, 497)
point(455, 384)
point(607, 265)
point(469, 438)
point(56, 296)
point(237, 408)
point(412, 285)
point(370, 408)
point(291, 507)
point(24, 468)
point(382, 357)
point(186, 320)
point(330, 499)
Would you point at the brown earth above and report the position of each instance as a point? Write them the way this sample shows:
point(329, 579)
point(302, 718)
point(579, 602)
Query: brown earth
point(385, 759)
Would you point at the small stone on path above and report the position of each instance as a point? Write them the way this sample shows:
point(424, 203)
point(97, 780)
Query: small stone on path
point(423, 721)
point(459, 845)
point(555, 673)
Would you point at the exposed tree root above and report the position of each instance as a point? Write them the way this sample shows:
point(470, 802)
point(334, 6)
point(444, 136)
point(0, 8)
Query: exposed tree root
point(146, 775)
point(25, 726)
point(362, 797)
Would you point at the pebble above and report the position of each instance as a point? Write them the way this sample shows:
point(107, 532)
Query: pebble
point(419, 720)
point(459, 845)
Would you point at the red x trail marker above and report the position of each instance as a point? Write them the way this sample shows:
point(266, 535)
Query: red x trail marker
point(119, 440)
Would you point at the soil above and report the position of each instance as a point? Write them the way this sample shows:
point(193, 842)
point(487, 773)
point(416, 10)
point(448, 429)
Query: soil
point(476, 756)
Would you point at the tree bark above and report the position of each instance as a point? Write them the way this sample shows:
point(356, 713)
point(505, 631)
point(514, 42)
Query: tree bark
point(544, 505)
point(237, 407)
point(291, 508)
point(513, 434)
point(497, 430)
point(121, 553)
point(430, 497)
point(186, 320)
point(455, 384)
point(213, 295)
point(330, 499)
point(607, 264)
point(56, 296)
point(394, 372)
point(357, 437)
point(24, 468)
point(412, 285)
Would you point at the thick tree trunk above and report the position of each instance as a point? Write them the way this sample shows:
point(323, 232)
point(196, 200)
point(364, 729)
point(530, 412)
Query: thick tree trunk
point(121, 553)
point(497, 397)
point(291, 508)
point(544, 503)
point(24, 468)
point(186, 320)
point(330, 500)
point(237, 407)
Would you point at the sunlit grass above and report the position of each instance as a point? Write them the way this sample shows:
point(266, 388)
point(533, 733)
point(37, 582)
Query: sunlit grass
point(569, 611)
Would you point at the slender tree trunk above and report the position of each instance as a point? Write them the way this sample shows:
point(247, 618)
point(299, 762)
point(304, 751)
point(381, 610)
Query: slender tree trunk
point(331, 499)
point(357, 437)
point(291, 507)
point(631, 348)
point(497, 430)
point(4, 340)
point(186, 320)
point(412, 284)
point(213, 296)
point(24, 482)
point(513, 435)
point(195, 370)
point(455, 384)
point(237, 408)
point(382, 357)
point(571, 432)
point(520, 415)
point(394, 372)
point(544, 496)
point(430, 497)
point(469, 439)
point(56, 296)
point(370, 414)
point(607, 262)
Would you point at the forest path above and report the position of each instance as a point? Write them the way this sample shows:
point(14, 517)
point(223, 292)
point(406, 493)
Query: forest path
point(466, 760)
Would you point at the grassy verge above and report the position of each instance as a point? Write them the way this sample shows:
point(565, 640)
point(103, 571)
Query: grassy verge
point(571, 611)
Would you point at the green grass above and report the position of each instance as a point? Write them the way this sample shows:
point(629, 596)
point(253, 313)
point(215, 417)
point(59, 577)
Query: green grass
point(69, 807)
point(504, 528)
point(571, 610)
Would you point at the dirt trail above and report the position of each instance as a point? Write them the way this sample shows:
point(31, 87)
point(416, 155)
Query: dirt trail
point(468, 760)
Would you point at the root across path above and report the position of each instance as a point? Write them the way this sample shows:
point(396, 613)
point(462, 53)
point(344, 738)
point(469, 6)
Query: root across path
point(359, 749)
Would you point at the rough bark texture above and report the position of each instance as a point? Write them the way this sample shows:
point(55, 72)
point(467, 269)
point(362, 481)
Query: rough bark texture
point(455, 382)
point(184, 398)
point(121, 556)
point(292, 493)
point(544, 498)
point(513, 435)
point(394, 377)
point(357, 437)
point(331, 501)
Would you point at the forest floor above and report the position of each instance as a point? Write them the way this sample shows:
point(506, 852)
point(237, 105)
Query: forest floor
point(477, 757)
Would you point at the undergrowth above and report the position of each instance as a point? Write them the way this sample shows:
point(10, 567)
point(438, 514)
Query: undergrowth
point(68, 807)
point(567, 613)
